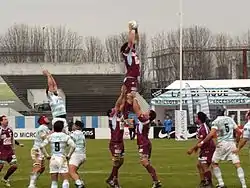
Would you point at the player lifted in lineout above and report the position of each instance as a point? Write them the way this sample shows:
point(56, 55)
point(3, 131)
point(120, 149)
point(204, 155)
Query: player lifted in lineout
point(58, 164)
point(79, 155)
point(36, 154)
point(206, 152)
point(116, 145)
point(56, 102)
point(132, 63)
point(224, 126)
point(7, 153)
point(143, 142)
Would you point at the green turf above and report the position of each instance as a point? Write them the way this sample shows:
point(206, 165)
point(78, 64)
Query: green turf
point(175, 168)
point(6, 93)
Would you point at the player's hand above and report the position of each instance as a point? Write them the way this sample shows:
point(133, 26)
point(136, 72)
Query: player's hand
point(21, 145)
point(190, 151)
point(199, 145)
point(236, 151)
point(132, 25)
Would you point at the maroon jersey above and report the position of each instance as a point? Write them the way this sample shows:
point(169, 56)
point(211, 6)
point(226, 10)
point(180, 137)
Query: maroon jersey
point(133, 67)
point(6, 140)
point(127, 109)
point(202, 133)
point(116, 129)
point(143, 130)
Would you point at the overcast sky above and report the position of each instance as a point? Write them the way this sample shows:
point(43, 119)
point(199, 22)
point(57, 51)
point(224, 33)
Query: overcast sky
point(104, 17)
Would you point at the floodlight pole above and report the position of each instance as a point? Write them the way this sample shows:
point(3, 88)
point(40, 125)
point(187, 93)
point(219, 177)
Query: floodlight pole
point(181, 49)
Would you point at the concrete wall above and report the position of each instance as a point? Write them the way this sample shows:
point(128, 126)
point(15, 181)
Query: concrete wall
point(61, 68)
point(38, 96)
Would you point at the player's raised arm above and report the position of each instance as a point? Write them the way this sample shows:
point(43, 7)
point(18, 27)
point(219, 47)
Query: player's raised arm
point(133, 35)
point(136, 107)
point(121, 99)
point(52, 85)
point(72, 145)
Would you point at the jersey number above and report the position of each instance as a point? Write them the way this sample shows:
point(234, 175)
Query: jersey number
point(226, 127)
point(57, 146)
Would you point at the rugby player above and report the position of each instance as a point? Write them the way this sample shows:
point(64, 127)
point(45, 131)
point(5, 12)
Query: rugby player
point(223, 127)
point(246, 134)
point(143, 142)
point(58, 141)
point(7, 153)
point(116, 145)
point(206, 151)
point(79, 155)
point(36, 154)
point(56, 102)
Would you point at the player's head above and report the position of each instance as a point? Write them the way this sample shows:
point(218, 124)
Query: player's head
point(152, 115)
point(221, 111)
point(54, 92)
point(78, 125)
point(248, 115)
point(43, 120)
point(58, 126)
point(124, 47)
point(201, 118)
point(4, 120)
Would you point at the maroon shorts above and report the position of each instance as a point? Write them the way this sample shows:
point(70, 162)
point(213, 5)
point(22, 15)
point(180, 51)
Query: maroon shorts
point(116, 149)
point(131, 84)
point(145, 150)
point(7, 156)
point(206, 156)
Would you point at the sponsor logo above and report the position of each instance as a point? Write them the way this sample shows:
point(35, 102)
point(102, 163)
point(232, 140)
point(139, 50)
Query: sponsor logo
point(89, 133)
point(159, 133)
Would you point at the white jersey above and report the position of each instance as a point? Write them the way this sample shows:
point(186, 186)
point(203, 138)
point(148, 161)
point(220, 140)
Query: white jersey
point(58, 143)
point(80, 141)
point(246, 131)
point(41, 133)
point(57, 105)
point(224, 126)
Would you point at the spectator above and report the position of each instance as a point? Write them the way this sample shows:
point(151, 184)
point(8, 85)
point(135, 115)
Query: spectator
point(159, 123)
point(168, 124)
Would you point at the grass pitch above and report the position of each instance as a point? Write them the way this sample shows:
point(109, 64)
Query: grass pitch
point(175, 169)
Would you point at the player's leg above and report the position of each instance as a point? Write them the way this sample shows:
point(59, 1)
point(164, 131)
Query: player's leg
point(64, 171)
point(74, 164)
point(145, 153)
point(38, 166)
point(117, 152)
point(217, 156)
point(207, 174)
point(13, 167)
point(54, 180)
point(240, 171)
point(201, 173)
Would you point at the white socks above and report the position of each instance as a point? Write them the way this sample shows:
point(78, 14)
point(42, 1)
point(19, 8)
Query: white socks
point(54, 184)
point(65, 184)
point(241, 176)
point(218, 176)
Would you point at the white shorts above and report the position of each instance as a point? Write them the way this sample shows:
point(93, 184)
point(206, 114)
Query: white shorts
point(66, 129)
point(58, 164)
point(36, 154)
point(77, 159)
point(224, 151)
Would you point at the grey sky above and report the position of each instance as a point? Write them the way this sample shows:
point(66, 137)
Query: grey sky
point(104, 17)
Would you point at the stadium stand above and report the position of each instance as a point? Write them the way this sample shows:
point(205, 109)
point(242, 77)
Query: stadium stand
point(90, 94)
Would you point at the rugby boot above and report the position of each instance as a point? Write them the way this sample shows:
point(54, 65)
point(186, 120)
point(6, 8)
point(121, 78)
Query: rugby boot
point(218, 186)
point(156, 184)
point(6, 182)
point(110, 183)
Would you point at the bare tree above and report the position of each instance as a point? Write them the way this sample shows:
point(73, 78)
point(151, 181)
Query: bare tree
point(94, 50)
point(62, 45)
point(21, 44)
point(35, 44)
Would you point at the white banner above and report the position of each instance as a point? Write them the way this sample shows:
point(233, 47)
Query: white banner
point(181, 125)
point(104, 133)
point(24, 134)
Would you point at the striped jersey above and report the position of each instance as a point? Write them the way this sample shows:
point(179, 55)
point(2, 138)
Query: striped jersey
point(224, 126)
point(79, 139)
point(57, 105)
point(41, 133)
